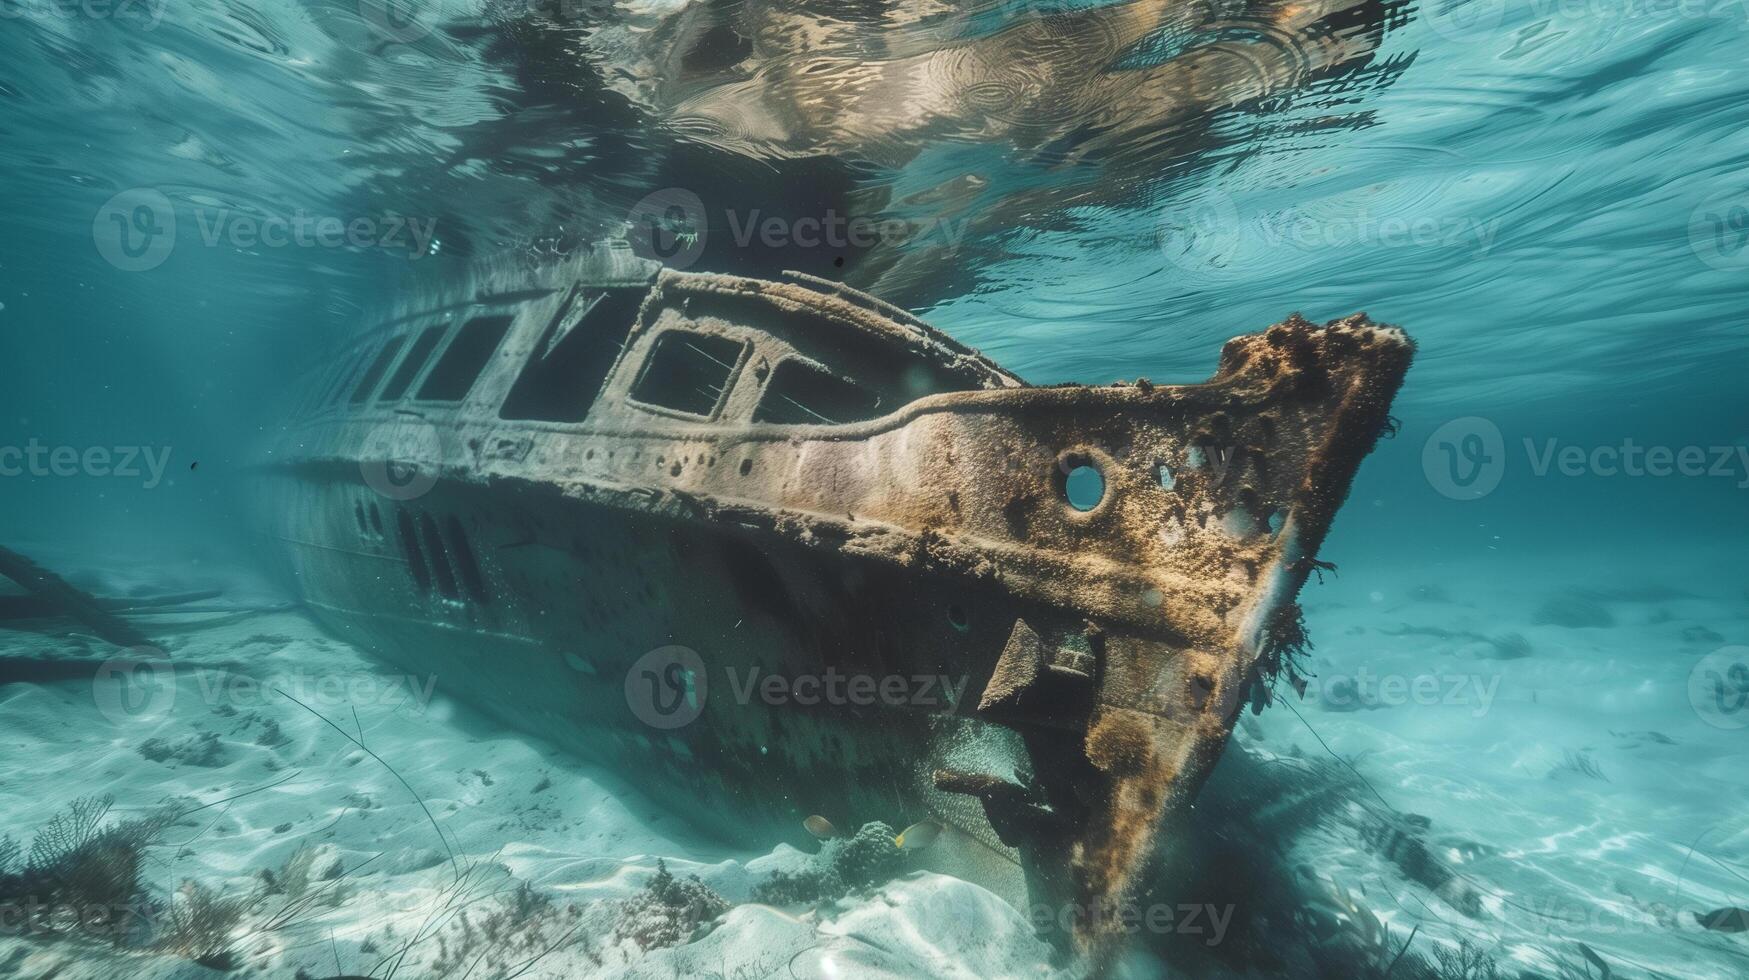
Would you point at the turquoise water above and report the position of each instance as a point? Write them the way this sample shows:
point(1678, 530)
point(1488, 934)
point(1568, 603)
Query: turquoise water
point(1550, 196)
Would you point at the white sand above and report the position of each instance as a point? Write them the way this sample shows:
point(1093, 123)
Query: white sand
point(1568, 787)
point(512, 810)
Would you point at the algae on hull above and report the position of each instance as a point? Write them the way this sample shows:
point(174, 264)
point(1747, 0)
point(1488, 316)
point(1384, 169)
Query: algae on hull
point(743, 478)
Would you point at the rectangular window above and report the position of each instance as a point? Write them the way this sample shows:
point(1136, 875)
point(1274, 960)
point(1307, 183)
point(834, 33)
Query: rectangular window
point(688, 372)
point(343, 379)
point(802, 394)
point(378, 367)
point(571, 360)
point(416, 357)
point(461, 365)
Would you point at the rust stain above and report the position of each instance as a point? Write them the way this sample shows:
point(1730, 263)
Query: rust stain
point(916, 521)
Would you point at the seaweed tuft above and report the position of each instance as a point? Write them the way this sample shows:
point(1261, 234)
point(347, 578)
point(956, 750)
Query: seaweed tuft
point(844, 865)
point(669, 911)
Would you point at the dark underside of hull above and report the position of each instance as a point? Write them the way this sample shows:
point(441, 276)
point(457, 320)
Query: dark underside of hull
point(576, 605)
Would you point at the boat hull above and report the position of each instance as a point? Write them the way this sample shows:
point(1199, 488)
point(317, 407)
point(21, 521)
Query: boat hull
point(905, 617)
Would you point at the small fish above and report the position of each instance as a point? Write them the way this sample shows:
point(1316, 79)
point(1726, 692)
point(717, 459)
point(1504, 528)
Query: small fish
point(820, 827)
point(918, 836)
point(1727, 919)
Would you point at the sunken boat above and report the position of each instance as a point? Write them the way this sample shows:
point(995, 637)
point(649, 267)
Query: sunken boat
point(645, 514)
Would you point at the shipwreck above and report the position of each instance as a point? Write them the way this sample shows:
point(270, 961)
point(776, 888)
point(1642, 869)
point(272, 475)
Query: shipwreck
point(558, 488)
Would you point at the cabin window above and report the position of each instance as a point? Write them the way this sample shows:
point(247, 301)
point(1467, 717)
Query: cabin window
point(416, 357)
point(802, 394)
point(461, 365)
point(570, 362)
point(378, 367)
point(688, 372)
point(345, 377)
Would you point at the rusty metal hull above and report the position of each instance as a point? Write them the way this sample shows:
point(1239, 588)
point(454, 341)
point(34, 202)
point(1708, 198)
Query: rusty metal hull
point(1104, 653)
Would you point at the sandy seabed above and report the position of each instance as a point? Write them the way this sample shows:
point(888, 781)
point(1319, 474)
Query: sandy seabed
point(1547, 744)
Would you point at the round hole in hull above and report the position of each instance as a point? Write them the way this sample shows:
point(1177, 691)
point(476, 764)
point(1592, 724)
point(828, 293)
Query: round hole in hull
point(1084, 487)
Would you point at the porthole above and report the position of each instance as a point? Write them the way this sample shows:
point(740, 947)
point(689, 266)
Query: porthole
point(1080, 478)
point(1084, 487)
